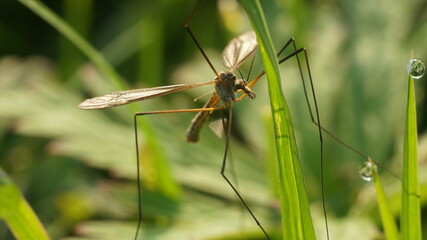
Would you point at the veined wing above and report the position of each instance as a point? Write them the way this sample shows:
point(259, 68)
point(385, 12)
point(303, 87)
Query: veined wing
point(239, 49)
point(128, 96)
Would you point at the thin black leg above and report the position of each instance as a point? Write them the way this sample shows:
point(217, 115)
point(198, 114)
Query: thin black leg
point(224, 163)
point(187, 27)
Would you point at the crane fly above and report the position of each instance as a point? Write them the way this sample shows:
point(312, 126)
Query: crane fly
point(234, 54)
point(226, 86)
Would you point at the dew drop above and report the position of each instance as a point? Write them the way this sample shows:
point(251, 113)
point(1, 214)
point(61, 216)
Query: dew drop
point(416, 68)
point(366, 171)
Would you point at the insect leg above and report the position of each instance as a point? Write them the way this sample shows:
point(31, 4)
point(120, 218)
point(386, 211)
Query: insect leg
point(138, 170)
point(187, 27)
point(224, 162)
point(314, 120)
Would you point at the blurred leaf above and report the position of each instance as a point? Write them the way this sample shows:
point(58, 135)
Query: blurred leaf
point(45, 108)
point(64, 28)
point(17, 213)
point(79, 14)
point(390, 227)
point(163, 180)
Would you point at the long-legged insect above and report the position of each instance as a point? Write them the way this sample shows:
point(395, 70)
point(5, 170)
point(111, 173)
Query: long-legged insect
point(226, 86)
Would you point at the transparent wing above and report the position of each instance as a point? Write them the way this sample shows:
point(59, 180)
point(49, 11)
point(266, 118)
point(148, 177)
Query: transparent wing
point(217, 127)
point(239, 49)
point(124, 97)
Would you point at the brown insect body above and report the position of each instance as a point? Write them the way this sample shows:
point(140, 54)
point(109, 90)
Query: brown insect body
point(225, 87)
point(235, 53)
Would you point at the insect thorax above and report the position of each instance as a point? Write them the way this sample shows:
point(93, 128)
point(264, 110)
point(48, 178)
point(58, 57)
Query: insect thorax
point(225, 87)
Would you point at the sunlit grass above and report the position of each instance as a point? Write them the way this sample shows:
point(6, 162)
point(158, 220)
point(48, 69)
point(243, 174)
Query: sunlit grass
point(411, 208)
point(17, 213)
point(296, 217)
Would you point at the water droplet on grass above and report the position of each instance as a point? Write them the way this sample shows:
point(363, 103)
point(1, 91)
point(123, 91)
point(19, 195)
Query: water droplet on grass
point(366, 171)
point(416, 68)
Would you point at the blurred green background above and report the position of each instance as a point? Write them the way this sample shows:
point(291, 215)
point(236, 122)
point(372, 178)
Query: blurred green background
point(77, 168)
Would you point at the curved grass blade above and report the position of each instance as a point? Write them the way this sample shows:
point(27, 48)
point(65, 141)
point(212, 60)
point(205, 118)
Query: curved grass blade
point(411, 209)
point(296, 217)
point(65, 29)
point(390, 227)
point(17, 213)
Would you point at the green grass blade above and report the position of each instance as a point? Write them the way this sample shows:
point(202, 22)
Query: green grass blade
point(411, 211)
point(296, 217)
point(78, 13)
point(271, 158)
point(18, 215)
point(390, 227)
point(65, 29)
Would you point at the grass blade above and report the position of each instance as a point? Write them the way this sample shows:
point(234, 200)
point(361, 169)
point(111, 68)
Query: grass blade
point(78, 13)
point(411, 211)
point(296, 217)
point(390, 227)
point(65, 29)
point(18, 215)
